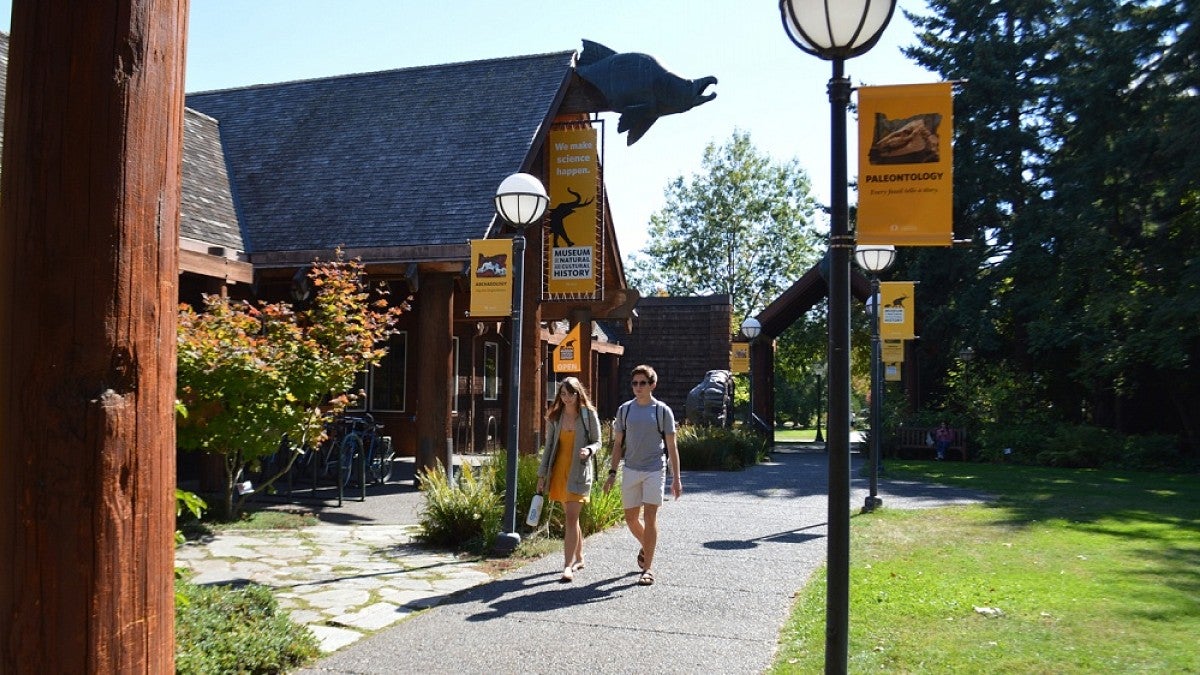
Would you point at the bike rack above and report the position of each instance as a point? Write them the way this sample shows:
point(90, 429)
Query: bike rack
point(493, 431)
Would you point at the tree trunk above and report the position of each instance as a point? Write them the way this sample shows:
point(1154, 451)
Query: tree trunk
point(89, 235)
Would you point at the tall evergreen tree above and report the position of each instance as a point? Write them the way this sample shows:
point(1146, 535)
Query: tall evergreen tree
point(1076, 180)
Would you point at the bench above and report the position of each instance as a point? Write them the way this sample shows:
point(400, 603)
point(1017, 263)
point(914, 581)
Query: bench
point(915, 438)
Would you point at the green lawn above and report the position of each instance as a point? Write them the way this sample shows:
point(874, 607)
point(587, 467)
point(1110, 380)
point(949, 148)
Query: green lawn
point(1090, 571)
point(794, 435)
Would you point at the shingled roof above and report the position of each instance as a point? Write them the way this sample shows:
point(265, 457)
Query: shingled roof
point(206, 214)
point(408, 157)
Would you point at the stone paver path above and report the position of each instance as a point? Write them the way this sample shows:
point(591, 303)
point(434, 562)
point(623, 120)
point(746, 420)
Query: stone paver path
point(343, 582)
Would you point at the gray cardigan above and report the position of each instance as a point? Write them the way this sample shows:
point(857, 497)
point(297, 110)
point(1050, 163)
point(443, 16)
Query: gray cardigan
point(587, 435)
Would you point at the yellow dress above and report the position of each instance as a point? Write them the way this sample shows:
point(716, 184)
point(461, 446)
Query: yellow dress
point(562, 468)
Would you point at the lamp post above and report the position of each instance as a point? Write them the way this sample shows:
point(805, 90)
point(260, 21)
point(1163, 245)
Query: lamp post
point(751, 328)
point(520, 200)
point(875, 259)
point(836, 31)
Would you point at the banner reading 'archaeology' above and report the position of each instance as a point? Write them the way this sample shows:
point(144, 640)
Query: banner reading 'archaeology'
point(491, 277)
point(571, 217)
point(905, 165)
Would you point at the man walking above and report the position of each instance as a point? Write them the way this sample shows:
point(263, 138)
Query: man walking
point(643, 433)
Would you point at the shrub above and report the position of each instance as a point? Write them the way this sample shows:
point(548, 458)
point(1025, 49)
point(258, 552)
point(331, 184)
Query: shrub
point(1085, 446)
point(219, 629)
point(527, 466)
point(1019, 443)
point(1154, 452)
point(1080, 446)
point(468, 516)
point(250, 375)
point(704, 448)
point(602, 510)
point(465, 514)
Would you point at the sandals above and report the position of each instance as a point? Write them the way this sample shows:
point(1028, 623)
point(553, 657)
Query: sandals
point(567, 574)
point(647, 578)
point(641, 559)
point(578, 565)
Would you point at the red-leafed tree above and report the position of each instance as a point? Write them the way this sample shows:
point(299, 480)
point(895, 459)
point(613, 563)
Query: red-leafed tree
point(252, 374)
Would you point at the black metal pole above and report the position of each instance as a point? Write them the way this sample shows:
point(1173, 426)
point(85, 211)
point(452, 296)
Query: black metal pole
point(873, 500)
point(508, 539)
point(837, 423)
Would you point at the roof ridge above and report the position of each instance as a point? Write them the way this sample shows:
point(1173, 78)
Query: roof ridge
point(372, 73)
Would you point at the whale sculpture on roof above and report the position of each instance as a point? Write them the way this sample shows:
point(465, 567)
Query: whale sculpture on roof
point(638, 87)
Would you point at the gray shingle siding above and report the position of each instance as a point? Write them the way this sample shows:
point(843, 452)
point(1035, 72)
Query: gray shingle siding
point(395, 158)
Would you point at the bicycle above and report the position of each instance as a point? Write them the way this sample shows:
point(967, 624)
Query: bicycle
point(373, 452)
point(373, 449)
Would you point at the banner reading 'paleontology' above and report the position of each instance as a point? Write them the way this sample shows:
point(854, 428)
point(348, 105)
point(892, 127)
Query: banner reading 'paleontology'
point(571, 217)
point(905, 165)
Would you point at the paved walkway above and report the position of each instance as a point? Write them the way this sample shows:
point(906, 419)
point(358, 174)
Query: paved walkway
point(732, 553)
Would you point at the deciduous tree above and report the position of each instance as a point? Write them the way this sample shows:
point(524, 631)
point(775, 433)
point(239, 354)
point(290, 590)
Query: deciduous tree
point(254, 375)
point(743, 226)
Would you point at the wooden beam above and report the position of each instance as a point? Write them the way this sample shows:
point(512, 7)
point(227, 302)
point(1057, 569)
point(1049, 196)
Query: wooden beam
point(231, 271)
point(89, 240)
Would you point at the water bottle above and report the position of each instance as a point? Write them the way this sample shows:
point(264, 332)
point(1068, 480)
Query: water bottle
point(535, 511)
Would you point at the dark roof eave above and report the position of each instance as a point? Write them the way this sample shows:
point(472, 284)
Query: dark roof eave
point(380, 255)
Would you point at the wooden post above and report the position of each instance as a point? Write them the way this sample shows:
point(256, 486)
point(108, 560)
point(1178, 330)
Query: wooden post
point(582, 317)
point(435, 370)
point(89, 236)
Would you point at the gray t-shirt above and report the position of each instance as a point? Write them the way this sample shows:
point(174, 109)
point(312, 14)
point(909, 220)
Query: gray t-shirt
point(643, 443)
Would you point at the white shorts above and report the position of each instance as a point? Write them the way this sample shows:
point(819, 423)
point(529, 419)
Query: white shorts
point(642, 487)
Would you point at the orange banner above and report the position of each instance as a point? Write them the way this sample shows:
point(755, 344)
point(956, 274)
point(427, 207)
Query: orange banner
point(568, 358)
point(905, 165)
point(491, 277)
point(897, 321)
point(739, 357)
point(571, 255)
point(892, 351)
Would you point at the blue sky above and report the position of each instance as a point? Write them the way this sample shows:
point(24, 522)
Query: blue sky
point(767, 87)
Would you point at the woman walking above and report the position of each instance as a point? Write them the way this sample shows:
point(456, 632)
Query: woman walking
point(572, 438)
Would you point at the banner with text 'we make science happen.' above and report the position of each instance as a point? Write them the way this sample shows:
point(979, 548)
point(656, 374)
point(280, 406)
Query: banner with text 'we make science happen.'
point(905, 165)
point(570, 232)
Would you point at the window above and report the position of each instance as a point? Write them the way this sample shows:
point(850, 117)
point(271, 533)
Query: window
point(389, 377)
point(359, 389)
point(491, 371)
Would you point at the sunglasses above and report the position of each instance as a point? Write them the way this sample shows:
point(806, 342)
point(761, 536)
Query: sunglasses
point(640, 383)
